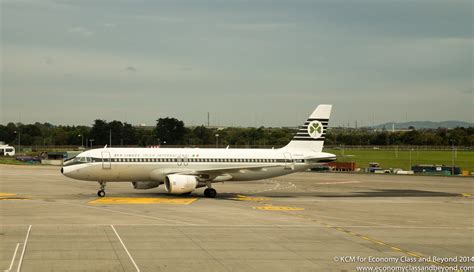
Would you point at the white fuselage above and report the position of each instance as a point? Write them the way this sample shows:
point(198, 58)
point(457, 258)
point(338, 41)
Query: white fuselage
point(154, 164)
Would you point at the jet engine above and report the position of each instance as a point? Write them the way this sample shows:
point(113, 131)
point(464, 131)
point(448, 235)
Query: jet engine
point(180, 184)
point(142, 185)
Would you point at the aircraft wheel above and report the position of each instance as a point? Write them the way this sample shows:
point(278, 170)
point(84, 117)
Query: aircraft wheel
point(210, 193)
point(101, 193)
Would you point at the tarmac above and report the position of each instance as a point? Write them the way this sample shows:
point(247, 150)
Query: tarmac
point(301, 222)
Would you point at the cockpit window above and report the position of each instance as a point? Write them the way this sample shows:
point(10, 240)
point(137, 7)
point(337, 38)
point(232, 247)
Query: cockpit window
point(78, 160)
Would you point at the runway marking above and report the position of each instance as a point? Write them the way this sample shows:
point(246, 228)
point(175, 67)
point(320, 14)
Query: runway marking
point(24, 249)
point(276, 187)
point(6, 194)
point(10, 196)
point(142, 200)
point(250, 198)
point(337, 182)
point(127, 213)
point(13, 198)
point(14, 256)
point(466, 195)
point(124, 247)
point(319, 225)
point(368, 238)
point(278, 208)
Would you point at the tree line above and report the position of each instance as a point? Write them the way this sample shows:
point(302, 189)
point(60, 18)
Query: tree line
point(171, 131)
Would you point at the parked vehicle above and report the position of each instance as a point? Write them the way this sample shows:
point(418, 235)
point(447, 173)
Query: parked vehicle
point(6, 150)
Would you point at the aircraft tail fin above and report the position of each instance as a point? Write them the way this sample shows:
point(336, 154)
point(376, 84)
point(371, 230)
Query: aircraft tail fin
point(312, 133)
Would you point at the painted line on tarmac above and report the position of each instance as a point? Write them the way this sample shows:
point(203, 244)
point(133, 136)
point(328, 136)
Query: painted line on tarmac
point(6, 194)
point(126, 250)
point(24, 249)
point(275, 188)
point(11, 196)
point(318, 225)
point(127, 213)
point(278, 208)
point(370, 239)
point(337, 182)
point(13, 258)
point(466, 195)
point(142, 200)
point(372, 224)
point(250, 198)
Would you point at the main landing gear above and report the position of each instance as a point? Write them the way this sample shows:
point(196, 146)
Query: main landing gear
point(101, 192)
point(210, 192)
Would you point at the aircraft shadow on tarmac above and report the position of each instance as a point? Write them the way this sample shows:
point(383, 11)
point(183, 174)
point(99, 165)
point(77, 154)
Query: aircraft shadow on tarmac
point(374, 193)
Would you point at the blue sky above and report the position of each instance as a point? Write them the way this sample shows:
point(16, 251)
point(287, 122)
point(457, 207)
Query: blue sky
point(248, 63)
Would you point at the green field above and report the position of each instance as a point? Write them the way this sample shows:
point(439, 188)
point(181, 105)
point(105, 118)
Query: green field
point(401, 158)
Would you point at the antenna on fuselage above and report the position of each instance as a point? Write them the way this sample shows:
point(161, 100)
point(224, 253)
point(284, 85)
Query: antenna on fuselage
point(105, 146)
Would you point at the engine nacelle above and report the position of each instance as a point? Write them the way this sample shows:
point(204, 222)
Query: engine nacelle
point(180, 184)
point(142, 185)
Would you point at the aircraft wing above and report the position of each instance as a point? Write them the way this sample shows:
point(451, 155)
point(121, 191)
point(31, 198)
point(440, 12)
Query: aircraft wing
point(226, 173)
point(321, 159)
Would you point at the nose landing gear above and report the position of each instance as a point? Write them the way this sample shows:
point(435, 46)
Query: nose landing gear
point(101, 192)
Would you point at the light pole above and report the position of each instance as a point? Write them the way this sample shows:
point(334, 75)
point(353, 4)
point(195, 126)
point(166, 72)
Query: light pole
point(452, 156)
point(82, 140)
point(411, 149)
point(19, 140)
point(217, 140)
point(91, 140)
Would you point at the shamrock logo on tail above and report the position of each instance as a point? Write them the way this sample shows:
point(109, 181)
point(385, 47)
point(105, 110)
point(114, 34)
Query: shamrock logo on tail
point(315, 129)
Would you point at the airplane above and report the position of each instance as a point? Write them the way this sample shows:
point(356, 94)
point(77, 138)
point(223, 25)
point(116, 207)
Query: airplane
point(183, 170)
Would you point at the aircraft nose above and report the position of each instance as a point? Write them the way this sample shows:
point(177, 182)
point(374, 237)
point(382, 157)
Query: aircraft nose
point(66, 172)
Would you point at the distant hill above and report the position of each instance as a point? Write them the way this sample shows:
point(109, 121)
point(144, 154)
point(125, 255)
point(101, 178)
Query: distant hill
point(425, 124)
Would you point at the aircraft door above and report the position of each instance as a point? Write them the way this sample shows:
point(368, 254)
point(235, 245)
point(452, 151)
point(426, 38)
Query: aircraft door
point(185, 160)
point(289, 163)
point(182, 160)
point(106, 160)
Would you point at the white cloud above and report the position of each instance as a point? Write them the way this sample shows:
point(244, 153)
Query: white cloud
point(109, 25)
point(257, 26)
point(81, 31)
